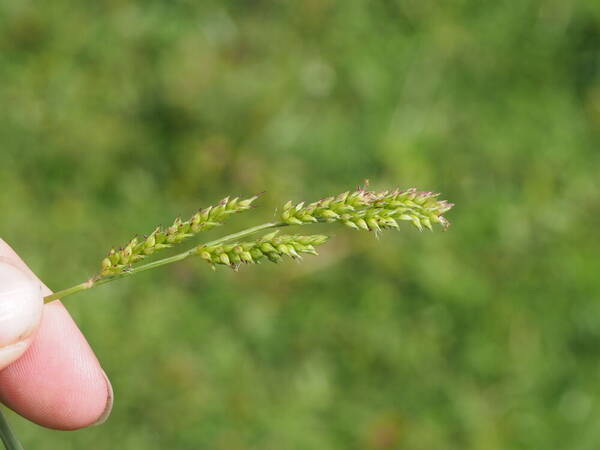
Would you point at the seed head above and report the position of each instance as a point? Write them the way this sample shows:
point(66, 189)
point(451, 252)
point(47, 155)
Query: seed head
point(271, 246)
point(137, 249)
point(372, 211)
point(360, 210)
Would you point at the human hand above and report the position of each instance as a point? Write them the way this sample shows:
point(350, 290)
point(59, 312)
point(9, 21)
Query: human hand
point(48, 372)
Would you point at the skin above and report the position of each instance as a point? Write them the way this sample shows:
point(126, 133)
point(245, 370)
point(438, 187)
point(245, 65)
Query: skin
point(48, 372)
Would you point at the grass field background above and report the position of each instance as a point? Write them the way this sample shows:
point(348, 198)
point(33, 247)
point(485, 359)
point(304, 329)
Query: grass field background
point(116, 116)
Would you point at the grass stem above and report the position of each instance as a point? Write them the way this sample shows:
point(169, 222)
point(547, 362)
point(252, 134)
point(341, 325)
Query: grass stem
point(7, 436)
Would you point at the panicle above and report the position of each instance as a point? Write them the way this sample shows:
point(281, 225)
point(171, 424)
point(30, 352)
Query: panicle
point(360, 209)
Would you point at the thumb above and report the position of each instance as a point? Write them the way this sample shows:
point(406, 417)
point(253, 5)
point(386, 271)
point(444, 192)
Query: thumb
point(21, 305)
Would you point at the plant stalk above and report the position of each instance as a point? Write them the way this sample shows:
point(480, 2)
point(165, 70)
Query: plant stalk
point(7, 436)
point(93, 282)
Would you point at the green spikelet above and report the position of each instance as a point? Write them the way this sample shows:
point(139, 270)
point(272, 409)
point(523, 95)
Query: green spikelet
point(137, 249)
point(372, 211)
point(271, 246)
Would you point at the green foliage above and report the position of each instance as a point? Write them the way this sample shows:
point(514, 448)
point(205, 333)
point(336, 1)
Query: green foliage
point(117, 116)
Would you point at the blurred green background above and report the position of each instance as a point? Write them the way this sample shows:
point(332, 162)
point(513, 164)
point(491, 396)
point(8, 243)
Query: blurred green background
point(119, 115)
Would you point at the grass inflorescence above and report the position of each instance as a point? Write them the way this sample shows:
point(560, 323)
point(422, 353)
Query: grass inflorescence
point(118, 261)
point(270, 246)
point(360, 210)
point(372, 211)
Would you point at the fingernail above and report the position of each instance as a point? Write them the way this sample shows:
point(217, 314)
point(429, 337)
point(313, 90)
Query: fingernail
point(21, 307)
point(110, 396)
